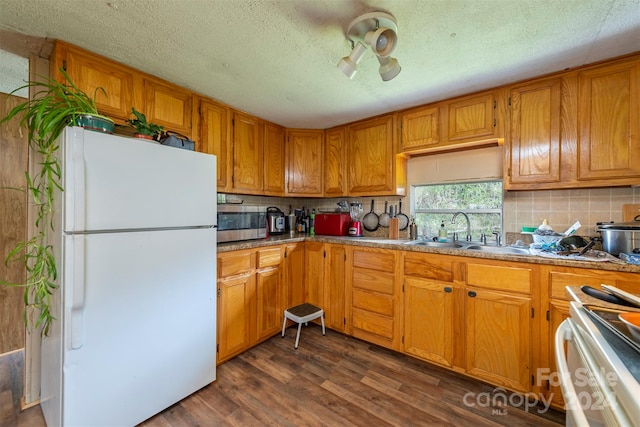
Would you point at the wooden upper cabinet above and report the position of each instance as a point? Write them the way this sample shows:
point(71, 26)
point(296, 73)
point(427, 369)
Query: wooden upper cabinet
point(247, 154)
point(473, 117)
point(534, 147)
point(168, 105)
point(374, 167)
point(609, 122)
point(304, 162)
point(90, 72)
point(335, 162)
point(214, 138)
point(274, 160)
point(420, 128)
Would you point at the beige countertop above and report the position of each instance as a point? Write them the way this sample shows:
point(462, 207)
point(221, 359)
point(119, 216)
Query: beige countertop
point(377, 242)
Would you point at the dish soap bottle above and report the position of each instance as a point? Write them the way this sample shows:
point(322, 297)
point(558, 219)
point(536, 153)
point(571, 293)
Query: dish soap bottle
point(442, 233)
point(413, 230)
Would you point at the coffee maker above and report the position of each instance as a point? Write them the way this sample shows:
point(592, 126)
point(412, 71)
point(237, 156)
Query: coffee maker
point(355, 226)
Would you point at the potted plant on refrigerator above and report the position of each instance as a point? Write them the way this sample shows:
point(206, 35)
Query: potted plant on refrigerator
point(144, 128)
point(54, 106)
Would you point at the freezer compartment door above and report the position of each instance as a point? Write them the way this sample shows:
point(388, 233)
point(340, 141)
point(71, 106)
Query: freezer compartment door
point(118, 183)
point(140, 330)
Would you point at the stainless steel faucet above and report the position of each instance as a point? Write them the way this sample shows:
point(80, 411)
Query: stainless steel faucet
point(453, 221)
point(497, 234)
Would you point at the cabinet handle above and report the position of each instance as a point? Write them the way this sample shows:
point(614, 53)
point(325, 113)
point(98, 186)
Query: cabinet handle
point(448, 289)
point(472, 294)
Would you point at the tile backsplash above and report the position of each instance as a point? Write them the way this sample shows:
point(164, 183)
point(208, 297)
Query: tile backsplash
point(561, 208)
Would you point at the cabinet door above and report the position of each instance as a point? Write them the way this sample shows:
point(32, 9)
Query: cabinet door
point(558, 311)
point(534, 149)
point(90, 72)
point(274, 161)
point(335, 162)
point(168, 105)
point(498, 338)
point(314, 255)
point(304, 162)
point(371, 157)
point(472, 118)
point(214, 139)
point(294, 274)
point(428, 320)
point(609, 124)
point(334, 287)
point(420, 128)
point(247, 154)
point(234, 297)
point(269, 307)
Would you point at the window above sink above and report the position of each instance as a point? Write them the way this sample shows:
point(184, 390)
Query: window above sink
point(433, 205)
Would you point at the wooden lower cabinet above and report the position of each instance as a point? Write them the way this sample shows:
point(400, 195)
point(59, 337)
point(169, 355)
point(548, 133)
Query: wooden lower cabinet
point(334, 287)
point(498, 341)
point(474, 317)
point(554, 281)
point(558, 311)
point(494, 320)
point(325, 266)
point(314, 256)
point(374, 297)
point(499, 312)
point(250, 299)
point(234, 298)
point(269, 309)
point(428, 320)
point(294, 266)
point(432, 307)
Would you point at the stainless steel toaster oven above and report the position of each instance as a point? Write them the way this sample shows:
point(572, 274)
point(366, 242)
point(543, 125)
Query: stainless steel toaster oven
point(241, 222)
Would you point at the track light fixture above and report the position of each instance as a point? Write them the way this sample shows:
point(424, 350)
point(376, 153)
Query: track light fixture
point(379, 31)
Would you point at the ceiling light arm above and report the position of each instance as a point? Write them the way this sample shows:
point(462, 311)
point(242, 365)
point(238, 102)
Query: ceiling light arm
point(378, 30)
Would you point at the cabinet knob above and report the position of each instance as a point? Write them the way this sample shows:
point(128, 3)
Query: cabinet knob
point(448, 289)
point(472, 294)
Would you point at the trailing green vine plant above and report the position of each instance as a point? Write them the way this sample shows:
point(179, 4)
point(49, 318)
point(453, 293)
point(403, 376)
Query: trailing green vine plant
point(54, 106)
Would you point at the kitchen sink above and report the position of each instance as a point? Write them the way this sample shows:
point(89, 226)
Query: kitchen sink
point(499, 249)
point(450, 245)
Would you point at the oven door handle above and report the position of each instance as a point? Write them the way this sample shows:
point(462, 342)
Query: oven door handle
point(572, 402)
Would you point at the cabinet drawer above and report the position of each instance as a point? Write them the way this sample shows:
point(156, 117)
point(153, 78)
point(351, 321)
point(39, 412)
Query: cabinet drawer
point(428, 267)
point(269, 257)
point(373, 281)
point(381, 304)
point(373, 323)
point(378, 261)
point(514, 279)
point(236, 264)
point(559, 281)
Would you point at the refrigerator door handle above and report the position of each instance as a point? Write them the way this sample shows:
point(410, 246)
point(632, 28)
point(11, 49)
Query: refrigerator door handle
point(77, 249)
point(75, 185)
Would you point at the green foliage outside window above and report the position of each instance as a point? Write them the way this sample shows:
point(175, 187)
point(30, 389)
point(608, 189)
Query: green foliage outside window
point(481, 201)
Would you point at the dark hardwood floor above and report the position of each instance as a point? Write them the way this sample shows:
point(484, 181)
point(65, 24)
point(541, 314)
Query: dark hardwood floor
point(333, 380)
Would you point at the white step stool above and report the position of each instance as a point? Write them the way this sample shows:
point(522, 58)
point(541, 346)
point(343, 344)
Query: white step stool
point(303, 313)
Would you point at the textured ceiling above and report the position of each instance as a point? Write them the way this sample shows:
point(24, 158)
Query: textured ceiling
point(277, 59)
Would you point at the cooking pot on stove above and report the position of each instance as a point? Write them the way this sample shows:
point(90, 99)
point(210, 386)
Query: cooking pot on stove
point(619, 237)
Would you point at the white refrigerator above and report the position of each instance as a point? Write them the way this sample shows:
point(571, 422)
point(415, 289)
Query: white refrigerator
point(135, 245)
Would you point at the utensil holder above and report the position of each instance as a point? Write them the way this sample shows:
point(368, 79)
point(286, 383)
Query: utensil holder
point(394, 230)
